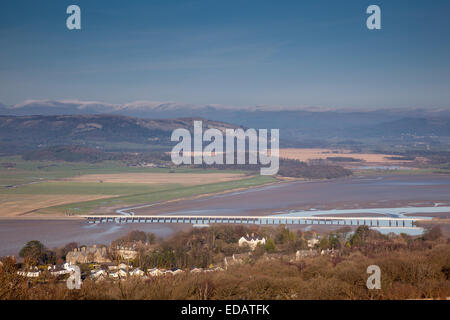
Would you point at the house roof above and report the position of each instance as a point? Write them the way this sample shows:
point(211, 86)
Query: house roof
point(254, 238)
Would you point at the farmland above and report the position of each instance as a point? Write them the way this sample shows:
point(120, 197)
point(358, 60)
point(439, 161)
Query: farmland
point(320, 153)
point(56, 188)
point(34, 171)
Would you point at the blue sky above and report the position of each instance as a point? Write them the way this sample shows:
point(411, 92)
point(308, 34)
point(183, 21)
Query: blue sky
point(241, 53)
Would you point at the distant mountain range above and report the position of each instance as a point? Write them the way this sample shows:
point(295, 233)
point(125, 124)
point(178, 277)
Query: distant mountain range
point(150, 109)
point(307, 127)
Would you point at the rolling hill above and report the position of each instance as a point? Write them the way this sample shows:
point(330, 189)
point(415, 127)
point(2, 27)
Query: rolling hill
point(108, 132)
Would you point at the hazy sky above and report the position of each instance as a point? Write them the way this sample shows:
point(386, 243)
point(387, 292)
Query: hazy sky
point(305, 53)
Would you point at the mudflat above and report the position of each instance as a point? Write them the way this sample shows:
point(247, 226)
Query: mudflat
point(359, 191)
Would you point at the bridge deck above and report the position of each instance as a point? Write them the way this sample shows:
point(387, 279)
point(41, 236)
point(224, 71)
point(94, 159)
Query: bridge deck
point(381, 222)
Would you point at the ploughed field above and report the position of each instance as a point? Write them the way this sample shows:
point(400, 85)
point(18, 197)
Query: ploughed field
point(188, 179)
point(13, 205)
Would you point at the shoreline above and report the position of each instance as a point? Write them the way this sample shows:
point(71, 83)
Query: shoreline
point(280, 181)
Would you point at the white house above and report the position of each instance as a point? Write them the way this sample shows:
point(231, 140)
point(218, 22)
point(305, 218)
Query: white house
point(176, 271)
point(99, 274)
point(123, 266)
point(137, 272)
point(58, 271)
point(155, 272)
point(313, 242)
point(122, 273)
point(119, 274)
point(251, 241)
point(29, 274)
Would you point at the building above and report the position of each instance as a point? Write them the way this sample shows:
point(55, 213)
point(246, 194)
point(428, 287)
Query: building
point(122, 273)
point(251, 241)
point(126, 253)
point(57, 270)
point(300, 254)
point(176, 271)
point(99, 275)
point(236, 258)
point(313, 242)
point(155, 272)
point(88, 255)
point(29, 274)
point(123, 266)
point(137, 273)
